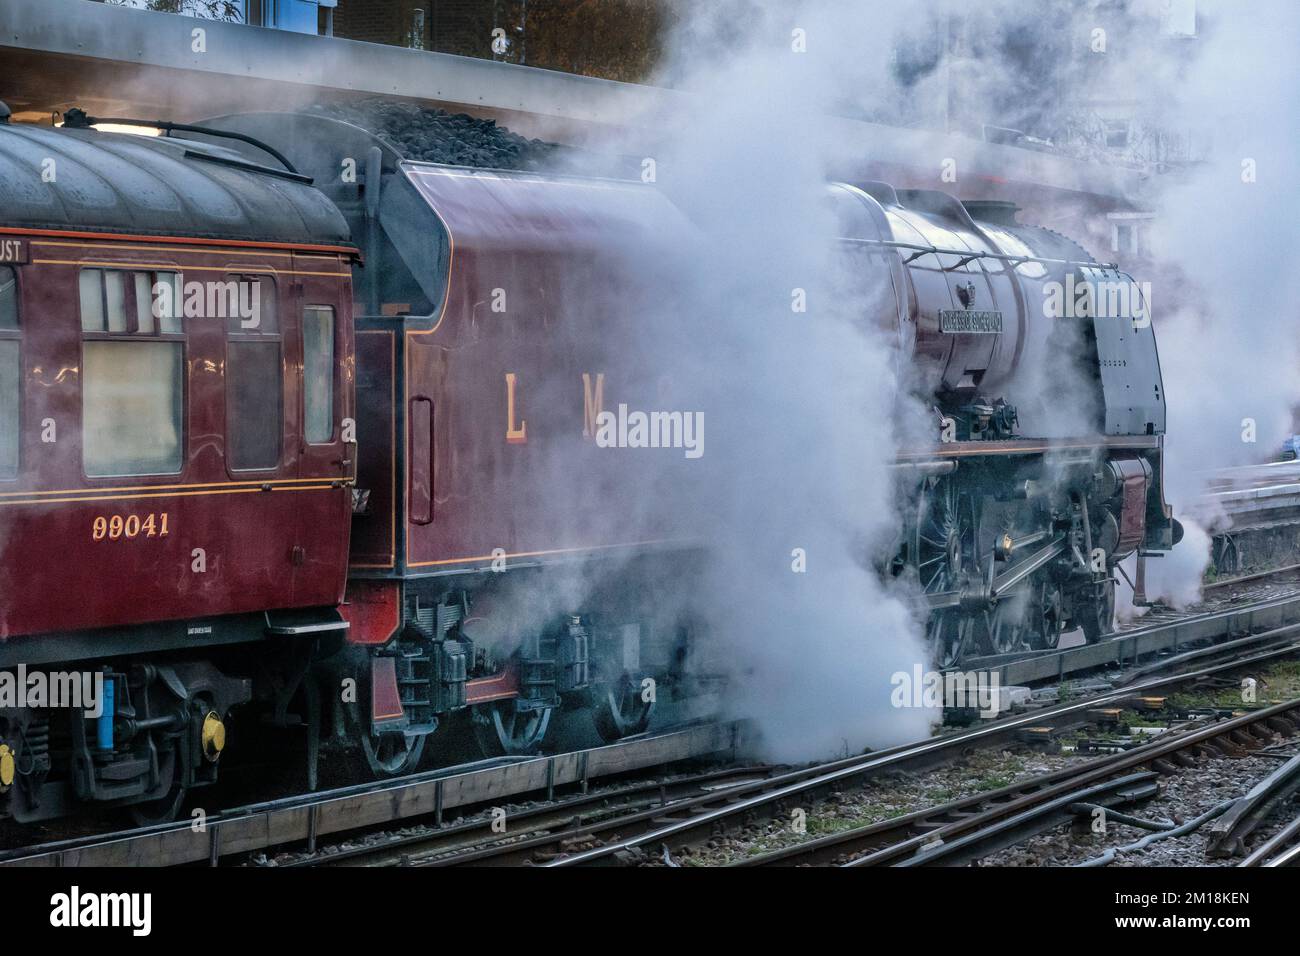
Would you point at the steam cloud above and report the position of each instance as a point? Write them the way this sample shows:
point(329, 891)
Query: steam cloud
point(801, 406)
point(800, 423)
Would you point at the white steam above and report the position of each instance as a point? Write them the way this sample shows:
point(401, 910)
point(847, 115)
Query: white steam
point(1229, 336)
point(800, 404)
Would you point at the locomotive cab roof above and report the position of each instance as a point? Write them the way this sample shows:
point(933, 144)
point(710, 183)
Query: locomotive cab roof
point(87, 180)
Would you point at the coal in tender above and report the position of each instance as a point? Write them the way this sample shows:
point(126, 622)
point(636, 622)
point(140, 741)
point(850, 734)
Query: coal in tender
point(433, 135)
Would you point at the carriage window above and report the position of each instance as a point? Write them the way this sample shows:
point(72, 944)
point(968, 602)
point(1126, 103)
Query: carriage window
point(8, 298)
point(10, 397)
point(157, 302)
point(105, 308)
point(131, 406)
point(132, 373)
point(10, 374)
point(254, 379)
point(92, 300)
point(318, 372)
point(115, 299)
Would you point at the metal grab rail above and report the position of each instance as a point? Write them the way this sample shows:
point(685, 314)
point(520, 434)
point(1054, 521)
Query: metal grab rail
point(966, 255)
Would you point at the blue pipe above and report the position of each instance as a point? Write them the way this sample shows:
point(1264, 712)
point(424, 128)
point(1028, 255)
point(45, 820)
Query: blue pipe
point(105, 720)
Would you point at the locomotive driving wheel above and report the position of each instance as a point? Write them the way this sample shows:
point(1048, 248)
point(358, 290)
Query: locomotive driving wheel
point(622, 711)
point(1004, 628)
point(943, 552)
point(1095, 610)
point(502, 728)
point(392, 754)
point(1044, 617)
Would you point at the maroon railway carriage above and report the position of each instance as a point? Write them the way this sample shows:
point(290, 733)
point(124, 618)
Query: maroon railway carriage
point(502, 564)
point(175, 380)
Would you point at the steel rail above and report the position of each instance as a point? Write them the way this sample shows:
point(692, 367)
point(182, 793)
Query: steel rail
point(1245, 578)
point(305, 819)
point(1281, 849)
point(1262, 639)
point(890, 840)
point(1228, 833)
point(921, 823)
point(1039, 814)
point(563, 818)
point(1131, 646)
point(799, 786)
point(982, 830)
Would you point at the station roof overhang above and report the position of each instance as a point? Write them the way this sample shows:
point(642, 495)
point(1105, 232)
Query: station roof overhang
point(117, 61)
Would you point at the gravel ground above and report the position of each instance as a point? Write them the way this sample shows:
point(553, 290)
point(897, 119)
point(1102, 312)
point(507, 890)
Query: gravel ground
point(880, 799)
point(1183, 796)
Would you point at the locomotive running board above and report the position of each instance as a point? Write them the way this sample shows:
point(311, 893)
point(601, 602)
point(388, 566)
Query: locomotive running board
point(1025, 446)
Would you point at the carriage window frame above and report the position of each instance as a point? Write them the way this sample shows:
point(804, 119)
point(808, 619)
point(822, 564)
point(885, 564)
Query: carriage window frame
point(13, 333)
point(129, 304)
point(264, 334)
point(307, 397)
point(131, 332)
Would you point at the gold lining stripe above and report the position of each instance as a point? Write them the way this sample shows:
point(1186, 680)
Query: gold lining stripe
point(163, 494)
point(106, 247)
point(210, 484)
point(90, 263)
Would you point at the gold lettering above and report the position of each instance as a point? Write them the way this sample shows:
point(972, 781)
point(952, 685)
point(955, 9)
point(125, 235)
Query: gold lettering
point(592, 405)
point(515, 436)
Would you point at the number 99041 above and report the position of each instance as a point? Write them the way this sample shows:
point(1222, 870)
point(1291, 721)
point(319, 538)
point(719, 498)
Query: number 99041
point(112, 527)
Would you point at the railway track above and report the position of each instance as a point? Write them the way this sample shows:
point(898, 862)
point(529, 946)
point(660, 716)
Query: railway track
point(305, 821)
point(1282, 849)
point(1151, 643)
point(654, 813)
point(566, 818)
point(657, 833)
point(989, 828)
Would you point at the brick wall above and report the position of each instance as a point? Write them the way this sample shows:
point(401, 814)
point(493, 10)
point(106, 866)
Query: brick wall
point(617, 39)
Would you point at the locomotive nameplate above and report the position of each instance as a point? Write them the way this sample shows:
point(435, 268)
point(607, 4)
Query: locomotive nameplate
point(967, 320)
point(13, 251)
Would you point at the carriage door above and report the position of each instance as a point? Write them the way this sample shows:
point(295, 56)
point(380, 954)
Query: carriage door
point(327, 463)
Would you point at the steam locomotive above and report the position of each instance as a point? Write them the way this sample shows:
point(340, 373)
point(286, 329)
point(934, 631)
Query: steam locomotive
point(293, 424)
point(1041, 368)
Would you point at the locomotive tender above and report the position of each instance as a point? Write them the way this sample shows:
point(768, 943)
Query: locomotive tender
point(268, 446)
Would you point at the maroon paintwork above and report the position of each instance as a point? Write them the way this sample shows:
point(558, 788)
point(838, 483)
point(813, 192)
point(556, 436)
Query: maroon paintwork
point(272, 539)
point(470, 480)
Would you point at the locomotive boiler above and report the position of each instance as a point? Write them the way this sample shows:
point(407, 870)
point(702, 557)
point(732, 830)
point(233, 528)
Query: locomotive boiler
point(1041, 371)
